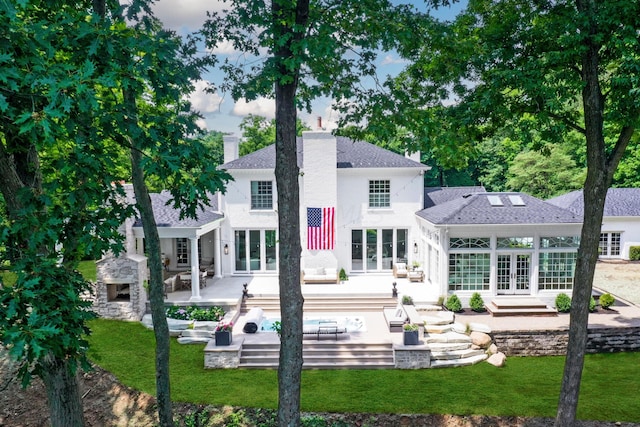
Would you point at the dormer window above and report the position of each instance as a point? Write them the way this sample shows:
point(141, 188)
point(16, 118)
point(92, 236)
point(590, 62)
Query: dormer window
point(380, 193)
point(261, 195)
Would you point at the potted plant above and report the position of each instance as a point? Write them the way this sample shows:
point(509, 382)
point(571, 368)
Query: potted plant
point(343, 276)
point(410, 334)
point(223, 333)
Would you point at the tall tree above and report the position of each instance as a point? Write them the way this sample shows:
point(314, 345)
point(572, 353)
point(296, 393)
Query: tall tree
point(544, 174)
point(57, 186)
point(153, 124)
point(314, 48)
point(63, 125)
point(259, 132)
point(570, 63)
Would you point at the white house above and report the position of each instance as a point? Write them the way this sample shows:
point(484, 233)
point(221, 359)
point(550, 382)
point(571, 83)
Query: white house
point(368, 194)
point(364, 209)
point(620, 223)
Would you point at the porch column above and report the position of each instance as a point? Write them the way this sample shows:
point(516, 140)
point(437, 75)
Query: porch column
point(140, 246)
point(195, 270)
point(217, 259)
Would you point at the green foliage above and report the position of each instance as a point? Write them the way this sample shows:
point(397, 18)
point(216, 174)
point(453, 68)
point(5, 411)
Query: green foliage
point(410, 327)
point(63, 73)
point(563, 303)
point(407, 300)
point(343, 275)
point(453, 303)
point(606, 300)
point(211, 314)
point(477, 303)
point(277, 326)
point(634, 253)
point(544, 174)
point(592, 304)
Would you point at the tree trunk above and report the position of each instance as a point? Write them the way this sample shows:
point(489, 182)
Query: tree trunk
point(287, 175)
point(63, 392)
point(291, 300)
point(600, 170)
point(156, 282)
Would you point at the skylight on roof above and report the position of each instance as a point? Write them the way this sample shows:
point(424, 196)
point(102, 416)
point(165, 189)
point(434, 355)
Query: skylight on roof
point(495, 200)
point(516, 200)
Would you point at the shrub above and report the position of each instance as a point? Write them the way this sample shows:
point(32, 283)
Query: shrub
point(563, 303)
point(407, 300)
point(606, 301)
point(634, 253)
point(476, 303)
point(201, 314)
point(441, 300)
point(343, 275)
point(454, 304)
point(592, 304)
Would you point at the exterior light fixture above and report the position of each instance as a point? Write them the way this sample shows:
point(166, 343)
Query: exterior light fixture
point(415, 248)
point(226, 249)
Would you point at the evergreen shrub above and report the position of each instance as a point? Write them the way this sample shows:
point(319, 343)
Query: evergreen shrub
point(476, 303)
point(454, 304)
point(606, 301)
point(563, 303)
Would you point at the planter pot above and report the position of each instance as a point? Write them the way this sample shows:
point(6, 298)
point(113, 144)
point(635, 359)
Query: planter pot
point(223, 338)
point(410, 338)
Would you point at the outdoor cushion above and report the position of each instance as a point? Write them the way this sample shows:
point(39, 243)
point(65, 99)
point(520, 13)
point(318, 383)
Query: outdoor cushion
point(253, 320)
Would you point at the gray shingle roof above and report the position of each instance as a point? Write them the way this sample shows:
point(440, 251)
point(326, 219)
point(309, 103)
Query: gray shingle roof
point(167, 216)
point(619, 202)
point(476, 209)
point(437, 195)
point(351, 154)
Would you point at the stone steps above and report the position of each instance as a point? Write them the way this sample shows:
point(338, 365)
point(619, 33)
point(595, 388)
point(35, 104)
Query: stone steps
point(329, 303)
point(519, 306)
point(450, 348)
point(321, 355)
point(451, 363)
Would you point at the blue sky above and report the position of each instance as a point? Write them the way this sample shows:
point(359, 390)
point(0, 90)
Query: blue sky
point(221, 113)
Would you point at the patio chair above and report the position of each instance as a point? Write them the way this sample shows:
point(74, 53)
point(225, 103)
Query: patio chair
point(400, 269)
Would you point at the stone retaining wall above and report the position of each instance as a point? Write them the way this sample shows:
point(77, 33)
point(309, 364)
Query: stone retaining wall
point(412, 356)
point(554, 342)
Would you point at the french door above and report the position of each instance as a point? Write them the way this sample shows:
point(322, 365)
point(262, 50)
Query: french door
point(513, 273)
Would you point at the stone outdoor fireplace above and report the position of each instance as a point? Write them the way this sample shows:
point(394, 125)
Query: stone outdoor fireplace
point(120, 292)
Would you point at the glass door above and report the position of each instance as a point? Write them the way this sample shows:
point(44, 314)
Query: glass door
point(513, 273)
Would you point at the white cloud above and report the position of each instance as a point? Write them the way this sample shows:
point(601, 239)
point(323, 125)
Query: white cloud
point(390, 59)
point(201, 123)
point(189, 14)
point(260, 107)
point(202, 101)
point(225, 47)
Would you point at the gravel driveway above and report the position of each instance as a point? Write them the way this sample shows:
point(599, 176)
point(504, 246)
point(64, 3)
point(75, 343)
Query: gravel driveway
point(619, 278)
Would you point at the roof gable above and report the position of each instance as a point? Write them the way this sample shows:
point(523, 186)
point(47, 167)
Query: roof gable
point(619, 202)
point(350, 154)
point(497, 208)
point(436, 195)
point(167, 216)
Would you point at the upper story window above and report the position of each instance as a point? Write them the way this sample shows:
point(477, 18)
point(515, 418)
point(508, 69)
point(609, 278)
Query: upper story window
point(380, 193)
point(261, 194)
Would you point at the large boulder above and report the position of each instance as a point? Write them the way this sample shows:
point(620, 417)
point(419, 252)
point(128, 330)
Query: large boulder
point(497, 359)
point(480, 339)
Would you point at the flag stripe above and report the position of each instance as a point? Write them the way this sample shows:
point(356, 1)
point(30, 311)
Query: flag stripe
point(320, 228)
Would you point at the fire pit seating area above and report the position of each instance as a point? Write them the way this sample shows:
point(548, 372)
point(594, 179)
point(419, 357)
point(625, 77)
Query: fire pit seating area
point(320, 275)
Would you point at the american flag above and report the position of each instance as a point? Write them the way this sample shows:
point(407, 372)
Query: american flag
point(320, 228)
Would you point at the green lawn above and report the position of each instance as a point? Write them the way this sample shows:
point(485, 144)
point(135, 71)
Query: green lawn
point(87, 268)
point(526, 386)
